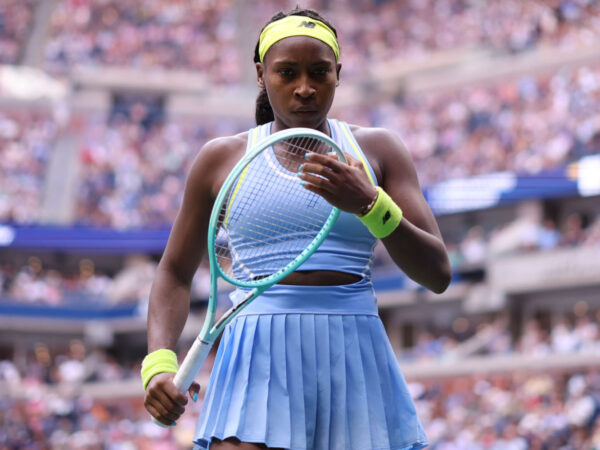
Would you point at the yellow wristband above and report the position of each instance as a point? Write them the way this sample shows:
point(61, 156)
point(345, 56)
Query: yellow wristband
point(384, 217)
point(162, 360)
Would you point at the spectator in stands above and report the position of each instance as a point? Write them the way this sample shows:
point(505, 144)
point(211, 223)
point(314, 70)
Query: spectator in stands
point(563, 339)
point(134, 280)
point(474, 246)
point(534, 340)
point(573, 232)
point(16, 18)
point(548, 235)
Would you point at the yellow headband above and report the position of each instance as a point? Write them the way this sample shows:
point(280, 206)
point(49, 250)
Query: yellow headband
point(296, 26)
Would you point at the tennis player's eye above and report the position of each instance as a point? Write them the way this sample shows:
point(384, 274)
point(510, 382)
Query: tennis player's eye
point(321, 72)
point(286, 72)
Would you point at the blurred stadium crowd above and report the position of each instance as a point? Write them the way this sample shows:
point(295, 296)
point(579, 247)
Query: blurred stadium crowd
point(524, 410)
point(36, 284)
point(133, 158)
point(528, 125)
point(133, 163)
point(168, 34)
point(578, 333)
point(521, 411)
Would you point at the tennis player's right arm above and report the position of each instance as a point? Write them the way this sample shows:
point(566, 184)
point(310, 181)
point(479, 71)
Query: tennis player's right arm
point(169, 302)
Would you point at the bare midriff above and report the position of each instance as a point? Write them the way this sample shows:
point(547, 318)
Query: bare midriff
point(320, 278)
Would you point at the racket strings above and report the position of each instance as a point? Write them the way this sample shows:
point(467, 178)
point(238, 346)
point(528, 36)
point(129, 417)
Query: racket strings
point(291, 153)
point(268, 218)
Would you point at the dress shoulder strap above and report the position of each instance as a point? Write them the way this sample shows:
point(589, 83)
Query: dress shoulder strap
point(342, 134)
point(256, 134)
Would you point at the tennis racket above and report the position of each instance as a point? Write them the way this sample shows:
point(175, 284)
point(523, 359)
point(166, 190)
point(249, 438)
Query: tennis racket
point(264, 224)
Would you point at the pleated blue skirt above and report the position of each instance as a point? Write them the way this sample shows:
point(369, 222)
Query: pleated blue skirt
point(310, 367)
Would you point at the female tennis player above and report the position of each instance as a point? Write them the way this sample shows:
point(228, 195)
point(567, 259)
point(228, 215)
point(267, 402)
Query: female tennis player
point(307, 365)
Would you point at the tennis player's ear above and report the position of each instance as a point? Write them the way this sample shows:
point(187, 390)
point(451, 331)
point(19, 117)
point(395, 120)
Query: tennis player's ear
point(260, 75)
point(338, 68)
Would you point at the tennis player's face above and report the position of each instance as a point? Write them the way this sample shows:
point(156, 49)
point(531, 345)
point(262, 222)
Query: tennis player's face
point(300, 74)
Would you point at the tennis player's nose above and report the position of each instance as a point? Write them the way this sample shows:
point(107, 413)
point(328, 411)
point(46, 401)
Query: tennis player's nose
point(304, 88)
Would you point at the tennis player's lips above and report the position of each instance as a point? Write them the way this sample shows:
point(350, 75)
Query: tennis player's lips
point(305, 111)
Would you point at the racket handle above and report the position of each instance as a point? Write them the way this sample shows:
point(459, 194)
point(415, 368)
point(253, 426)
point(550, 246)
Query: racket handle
point(191, 364)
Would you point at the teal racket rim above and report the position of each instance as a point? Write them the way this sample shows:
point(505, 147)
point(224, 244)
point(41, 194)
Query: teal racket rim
point(223, 197)
point(211, 329)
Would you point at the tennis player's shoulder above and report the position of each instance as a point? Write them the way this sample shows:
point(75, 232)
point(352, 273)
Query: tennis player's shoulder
point(225, 147)
point(377, 139)
point(221, 151)
point(217, 157)
point(380, 145)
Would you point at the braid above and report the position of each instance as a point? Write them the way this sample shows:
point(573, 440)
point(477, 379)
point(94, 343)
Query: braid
point(264, 112)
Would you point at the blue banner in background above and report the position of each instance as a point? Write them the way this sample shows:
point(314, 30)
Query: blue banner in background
point(500, 188)
point(547, 185)
point(85, 311)
point(468, 194)
point(80, 239)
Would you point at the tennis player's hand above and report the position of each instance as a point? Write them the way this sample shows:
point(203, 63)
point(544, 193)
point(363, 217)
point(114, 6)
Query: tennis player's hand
point(346, 186)
point(164, 401)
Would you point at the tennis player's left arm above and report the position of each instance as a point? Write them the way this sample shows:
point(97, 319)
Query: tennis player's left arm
point(416, 245)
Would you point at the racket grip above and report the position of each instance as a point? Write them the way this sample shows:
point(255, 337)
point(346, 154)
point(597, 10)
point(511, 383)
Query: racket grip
point(191, 364)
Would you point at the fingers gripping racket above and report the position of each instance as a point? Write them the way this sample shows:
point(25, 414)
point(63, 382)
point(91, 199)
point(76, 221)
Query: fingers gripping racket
point(264, 224)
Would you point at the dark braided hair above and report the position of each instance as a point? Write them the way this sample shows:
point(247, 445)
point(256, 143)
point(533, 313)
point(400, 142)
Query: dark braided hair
point(264, 112)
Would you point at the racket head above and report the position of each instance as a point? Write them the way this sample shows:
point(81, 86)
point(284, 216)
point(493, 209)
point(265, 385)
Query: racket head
point(264, 224)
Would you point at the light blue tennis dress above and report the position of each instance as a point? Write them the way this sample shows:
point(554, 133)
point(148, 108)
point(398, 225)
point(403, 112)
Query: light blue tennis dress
point(311, 367)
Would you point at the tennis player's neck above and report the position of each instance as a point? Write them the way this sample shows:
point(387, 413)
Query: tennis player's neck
point(323, 127)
